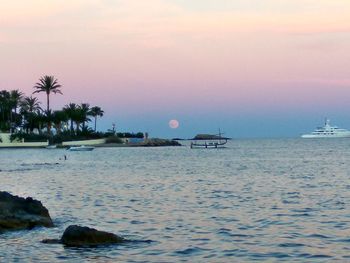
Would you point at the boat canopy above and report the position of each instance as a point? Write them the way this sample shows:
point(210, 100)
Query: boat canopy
point(209, 137)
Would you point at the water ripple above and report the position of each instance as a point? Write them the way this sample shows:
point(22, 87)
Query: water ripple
point(258, 200)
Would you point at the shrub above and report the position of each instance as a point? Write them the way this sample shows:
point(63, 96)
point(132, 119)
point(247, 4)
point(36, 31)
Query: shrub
point(130, 135)
point(113, 139)
point(29, 137)
point(67, 136)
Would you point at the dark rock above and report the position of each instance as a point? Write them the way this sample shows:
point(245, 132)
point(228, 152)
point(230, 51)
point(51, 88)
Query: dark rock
point(84, 236)
point(155, 142)
point(19, 213)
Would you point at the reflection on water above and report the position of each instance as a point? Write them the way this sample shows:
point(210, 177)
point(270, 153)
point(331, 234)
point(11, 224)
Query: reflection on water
point(274, 200)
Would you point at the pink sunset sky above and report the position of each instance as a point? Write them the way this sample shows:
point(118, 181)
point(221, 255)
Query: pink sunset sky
point(206, 63)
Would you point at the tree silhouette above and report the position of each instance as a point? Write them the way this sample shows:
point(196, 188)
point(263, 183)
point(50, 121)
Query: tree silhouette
point(48, 84)
point(96, 112)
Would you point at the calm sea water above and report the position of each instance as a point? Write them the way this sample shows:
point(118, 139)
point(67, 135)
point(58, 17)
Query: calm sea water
point(267, 200)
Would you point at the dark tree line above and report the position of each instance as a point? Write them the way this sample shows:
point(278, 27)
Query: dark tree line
point(24, 113)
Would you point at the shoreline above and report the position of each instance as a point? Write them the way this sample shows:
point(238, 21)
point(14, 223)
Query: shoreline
point(104, 145)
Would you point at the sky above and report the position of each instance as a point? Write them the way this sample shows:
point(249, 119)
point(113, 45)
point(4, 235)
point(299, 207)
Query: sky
point(253, 68)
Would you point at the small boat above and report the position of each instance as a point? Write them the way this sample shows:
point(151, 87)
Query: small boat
point(51, 147)
point(81, 148)
point(328, 131)
point(209, 141)
point(207, 144)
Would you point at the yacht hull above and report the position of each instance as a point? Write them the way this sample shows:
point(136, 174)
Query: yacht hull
point(312, 136)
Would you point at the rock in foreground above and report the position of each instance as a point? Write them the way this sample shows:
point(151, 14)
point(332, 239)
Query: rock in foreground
point(84, 236)
point(18, 213)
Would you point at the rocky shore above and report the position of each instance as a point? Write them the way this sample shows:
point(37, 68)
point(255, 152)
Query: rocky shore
point(157, 143)
point(18, 213)
point(147, 143)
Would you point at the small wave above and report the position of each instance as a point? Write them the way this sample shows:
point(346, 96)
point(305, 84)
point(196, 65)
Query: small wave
point(287, 245)
point(234, 252)
point(227, 232)
point(29, 167)
point(242, 168)
point(140, 241)
point(127, 243)
point(278, 255)
point(304, 210)
point(39, 164)
point(17, 170)
point(346, 240)
point(136, 222)
point(300, 215)
point(224, 230)
point(190, 251)
point(200, 239)
point(155, 252)
point(319, 256)
point(318, 236)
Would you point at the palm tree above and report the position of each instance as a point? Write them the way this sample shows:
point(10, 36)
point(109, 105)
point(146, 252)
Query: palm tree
point(48, 118)
point(58, 118)
point(15, 98)
point(5, 108)
point(84, 113)
point(48, 84)
point(96, 112)
point(29, 106)
point(39, 119)
point(80, 116)
point(70, 111)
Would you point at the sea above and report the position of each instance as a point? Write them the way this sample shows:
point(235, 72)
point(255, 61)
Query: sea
point(268, 200)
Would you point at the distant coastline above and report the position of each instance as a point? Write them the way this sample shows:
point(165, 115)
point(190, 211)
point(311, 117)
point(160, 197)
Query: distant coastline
point(25, 124)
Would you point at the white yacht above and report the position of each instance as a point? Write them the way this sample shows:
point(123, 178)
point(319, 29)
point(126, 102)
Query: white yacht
point(328, 131)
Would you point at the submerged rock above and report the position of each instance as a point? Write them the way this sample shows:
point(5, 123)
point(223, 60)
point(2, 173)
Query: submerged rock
point(18, 213)
point(84, 236)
